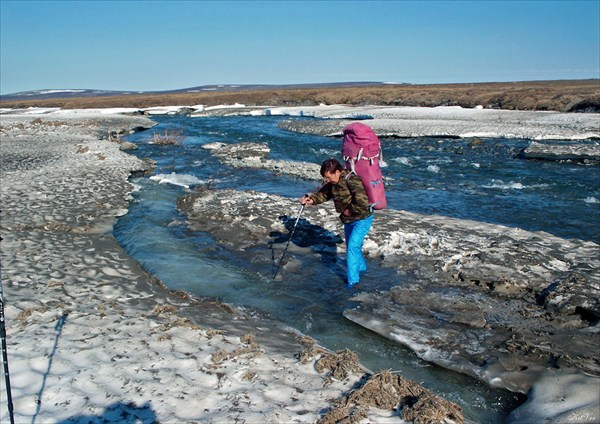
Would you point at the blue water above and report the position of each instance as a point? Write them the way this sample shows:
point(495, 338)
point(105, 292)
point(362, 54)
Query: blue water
point(451, 177)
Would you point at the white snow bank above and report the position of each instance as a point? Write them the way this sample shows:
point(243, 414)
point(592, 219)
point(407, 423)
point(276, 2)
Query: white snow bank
point(183, 180)
point(561, 398)
point(93, 112)
point(234, 106)
point(396, 121)
point(165, 110)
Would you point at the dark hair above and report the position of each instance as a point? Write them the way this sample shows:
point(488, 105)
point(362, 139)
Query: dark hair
point(330, 165)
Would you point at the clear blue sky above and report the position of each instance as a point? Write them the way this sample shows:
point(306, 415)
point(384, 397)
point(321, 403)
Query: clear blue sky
point(156, 45)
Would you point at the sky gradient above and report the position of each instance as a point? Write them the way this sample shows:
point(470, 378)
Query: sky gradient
point(155, 45)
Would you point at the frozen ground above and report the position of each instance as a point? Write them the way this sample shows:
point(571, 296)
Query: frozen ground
point(92, 336)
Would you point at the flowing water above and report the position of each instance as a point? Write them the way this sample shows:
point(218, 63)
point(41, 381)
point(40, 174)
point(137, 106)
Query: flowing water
point(479, 180)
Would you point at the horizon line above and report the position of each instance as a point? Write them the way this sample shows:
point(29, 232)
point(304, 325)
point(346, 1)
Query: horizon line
point(257, 85)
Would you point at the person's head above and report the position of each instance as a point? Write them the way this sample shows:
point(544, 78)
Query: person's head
point(331, 170)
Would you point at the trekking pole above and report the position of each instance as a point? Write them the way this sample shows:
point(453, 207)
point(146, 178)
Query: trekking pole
point(5, 357)
point(289, 240)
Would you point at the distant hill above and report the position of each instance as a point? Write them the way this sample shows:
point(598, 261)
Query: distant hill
point(561, 95)
point(65, 93)
point(79, 93)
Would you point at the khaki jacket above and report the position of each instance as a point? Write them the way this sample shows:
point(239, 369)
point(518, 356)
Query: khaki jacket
point(349, 197)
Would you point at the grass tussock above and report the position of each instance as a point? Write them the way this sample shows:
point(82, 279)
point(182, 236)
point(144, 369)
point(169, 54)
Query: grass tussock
point(339, 364)
point(383, 390)
point(173, 137)
point(563, 95)
point(388, 391)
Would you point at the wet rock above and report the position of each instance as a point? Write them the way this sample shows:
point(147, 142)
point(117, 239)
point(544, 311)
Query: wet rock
point(320, 127)
point(239, 151)
point(185, 111)
point(563, 150)
point(126, 146)
point(571, 296)
point(589, 105)
point(230, 110)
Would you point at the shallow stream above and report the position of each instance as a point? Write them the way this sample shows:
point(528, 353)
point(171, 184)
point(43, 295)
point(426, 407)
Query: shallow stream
point(468, 179)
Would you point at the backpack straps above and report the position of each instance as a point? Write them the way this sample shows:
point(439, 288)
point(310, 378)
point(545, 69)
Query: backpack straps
point(349, 174)
point(360, 154)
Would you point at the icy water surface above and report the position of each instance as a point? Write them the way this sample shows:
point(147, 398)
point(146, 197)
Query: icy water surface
point(479, 180)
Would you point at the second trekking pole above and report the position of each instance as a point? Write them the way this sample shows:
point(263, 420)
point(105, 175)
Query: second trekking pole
point(5, 357)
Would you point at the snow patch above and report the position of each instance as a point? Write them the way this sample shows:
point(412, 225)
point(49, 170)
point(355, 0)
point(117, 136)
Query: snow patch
point(183, 180)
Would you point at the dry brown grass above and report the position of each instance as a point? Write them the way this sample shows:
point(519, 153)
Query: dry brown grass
point(567, 96)
point(339, 364)
point(168, 137)
point(383, 390)
point(388, 391)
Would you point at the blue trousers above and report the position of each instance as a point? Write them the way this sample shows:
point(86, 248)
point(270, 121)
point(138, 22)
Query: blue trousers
point(355, 233)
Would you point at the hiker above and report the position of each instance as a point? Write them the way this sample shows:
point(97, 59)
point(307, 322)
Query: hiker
point(351, 201)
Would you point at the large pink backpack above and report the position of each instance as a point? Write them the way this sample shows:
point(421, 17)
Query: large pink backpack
point(361, 150)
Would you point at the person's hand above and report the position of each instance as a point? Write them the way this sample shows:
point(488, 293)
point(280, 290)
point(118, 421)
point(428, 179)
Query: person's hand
point(307, 200)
